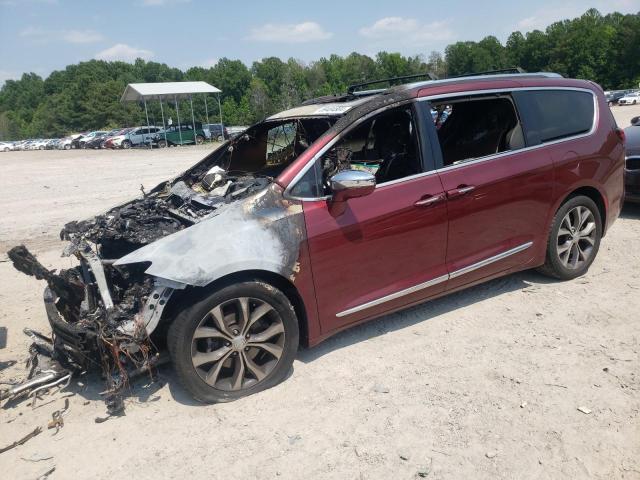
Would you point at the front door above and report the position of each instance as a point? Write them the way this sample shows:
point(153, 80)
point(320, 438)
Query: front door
point(387, 249)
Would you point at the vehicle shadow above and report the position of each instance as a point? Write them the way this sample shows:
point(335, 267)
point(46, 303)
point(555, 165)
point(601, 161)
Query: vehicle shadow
point(630, 211)
point(424, 312)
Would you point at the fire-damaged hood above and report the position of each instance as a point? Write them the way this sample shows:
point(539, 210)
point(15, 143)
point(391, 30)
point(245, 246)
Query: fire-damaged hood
point(262, 232)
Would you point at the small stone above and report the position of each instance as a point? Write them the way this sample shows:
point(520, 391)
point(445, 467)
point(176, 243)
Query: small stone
point(605, 369)
point(492, 454)
point(523, 404)
point(294, 438)
point(380, 388)
point(584, 410)
point(423, 472)
point(404, 456)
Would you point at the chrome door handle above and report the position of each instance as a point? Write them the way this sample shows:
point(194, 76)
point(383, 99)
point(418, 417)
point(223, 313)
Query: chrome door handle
point(461, 190)
point(425, 202)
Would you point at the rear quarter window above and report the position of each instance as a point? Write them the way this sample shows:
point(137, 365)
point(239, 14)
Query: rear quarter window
point(549, 115)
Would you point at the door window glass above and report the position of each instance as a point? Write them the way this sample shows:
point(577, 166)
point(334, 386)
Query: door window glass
point(470, 128)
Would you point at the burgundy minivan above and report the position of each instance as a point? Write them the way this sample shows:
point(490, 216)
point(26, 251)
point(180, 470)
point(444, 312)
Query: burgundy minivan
point(335, 212)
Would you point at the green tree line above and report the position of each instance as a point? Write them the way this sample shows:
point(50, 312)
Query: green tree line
point(86, 96)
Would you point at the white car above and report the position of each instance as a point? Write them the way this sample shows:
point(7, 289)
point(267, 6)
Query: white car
point(6, 146)
point(630, 99)
point(65, 143)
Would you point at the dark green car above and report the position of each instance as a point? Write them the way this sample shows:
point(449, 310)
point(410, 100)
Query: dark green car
point(180, 135)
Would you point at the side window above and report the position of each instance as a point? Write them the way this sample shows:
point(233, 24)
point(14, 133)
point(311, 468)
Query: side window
point(280, 143)
point(471, 128)
point(555, 114)
point(385, 145)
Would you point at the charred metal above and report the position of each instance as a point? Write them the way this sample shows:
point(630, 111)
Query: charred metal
point(223, 215)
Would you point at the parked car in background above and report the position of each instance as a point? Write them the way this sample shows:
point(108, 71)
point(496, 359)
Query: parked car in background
point(98, 140)
point(614, 95)
point(217, 131)
point(179, 135)
point(115, 141)
point(40, 144)
point(6, 146)
point(632, 162)
point(65, 143)
point(85, 139)
point(630, 99)
point(136, 137)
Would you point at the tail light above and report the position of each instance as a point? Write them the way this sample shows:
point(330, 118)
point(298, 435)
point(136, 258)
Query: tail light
point(621, 135)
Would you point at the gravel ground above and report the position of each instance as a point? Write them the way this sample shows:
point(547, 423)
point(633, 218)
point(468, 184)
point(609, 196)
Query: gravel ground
point(485, 383)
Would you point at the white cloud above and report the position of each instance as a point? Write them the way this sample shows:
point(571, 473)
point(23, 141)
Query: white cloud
point(543, 18)
point(289, 33)
point(82, 36)
point(407, 30)
point(121, 51)
point(39, 34)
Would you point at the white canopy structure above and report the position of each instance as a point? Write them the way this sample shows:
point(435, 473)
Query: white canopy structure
point(136, 92)
point(165, 90)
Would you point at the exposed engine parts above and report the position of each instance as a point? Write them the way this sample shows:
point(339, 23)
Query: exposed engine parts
point(101, 314)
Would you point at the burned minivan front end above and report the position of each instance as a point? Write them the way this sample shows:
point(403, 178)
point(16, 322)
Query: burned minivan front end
point(224, 215)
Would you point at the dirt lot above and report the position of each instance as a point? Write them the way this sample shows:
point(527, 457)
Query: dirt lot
point(485, 383)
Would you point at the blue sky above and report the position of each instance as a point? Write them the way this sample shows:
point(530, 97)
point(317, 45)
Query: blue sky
point(45, 35)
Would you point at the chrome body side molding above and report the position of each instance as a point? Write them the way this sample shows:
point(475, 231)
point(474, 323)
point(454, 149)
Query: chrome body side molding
point(436, 281)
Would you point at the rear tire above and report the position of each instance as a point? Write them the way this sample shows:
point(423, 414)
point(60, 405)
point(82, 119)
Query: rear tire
point(162, 144)
point(126, 144)
point(199, 139)
point(221, 363)
point(574, 239)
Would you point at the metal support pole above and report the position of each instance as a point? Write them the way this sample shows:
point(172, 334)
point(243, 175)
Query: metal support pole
point(164, 127)
point(220, 111)
point(178, 115)
point(193, 121)
point(206, 113)
point(147, 126)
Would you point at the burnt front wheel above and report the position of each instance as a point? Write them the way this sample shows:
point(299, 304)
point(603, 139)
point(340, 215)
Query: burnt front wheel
point(234, 342)
point(574, 239)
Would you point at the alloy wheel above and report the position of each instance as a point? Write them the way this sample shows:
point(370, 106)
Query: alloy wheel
point(238, 343)
point(576, 237)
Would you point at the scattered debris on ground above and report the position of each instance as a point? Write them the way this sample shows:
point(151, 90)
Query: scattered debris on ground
point(37, 431)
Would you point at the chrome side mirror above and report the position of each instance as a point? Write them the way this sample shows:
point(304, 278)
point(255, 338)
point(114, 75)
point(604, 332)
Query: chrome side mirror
point(350, 184)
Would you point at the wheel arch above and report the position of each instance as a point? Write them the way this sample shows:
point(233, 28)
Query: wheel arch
point(278, 281)
point(594, 194)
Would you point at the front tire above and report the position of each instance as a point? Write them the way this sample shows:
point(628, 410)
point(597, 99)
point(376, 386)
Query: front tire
point(234, 342)
point(199, 139)
point(574, 239)
point(126, 144)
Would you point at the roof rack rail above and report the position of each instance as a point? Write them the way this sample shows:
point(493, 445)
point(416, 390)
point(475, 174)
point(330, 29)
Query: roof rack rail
point(501, 71)
point(351, 90)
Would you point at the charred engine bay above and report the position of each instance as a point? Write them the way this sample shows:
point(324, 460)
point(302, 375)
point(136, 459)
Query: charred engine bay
point(95, 300)
point(174, 207)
